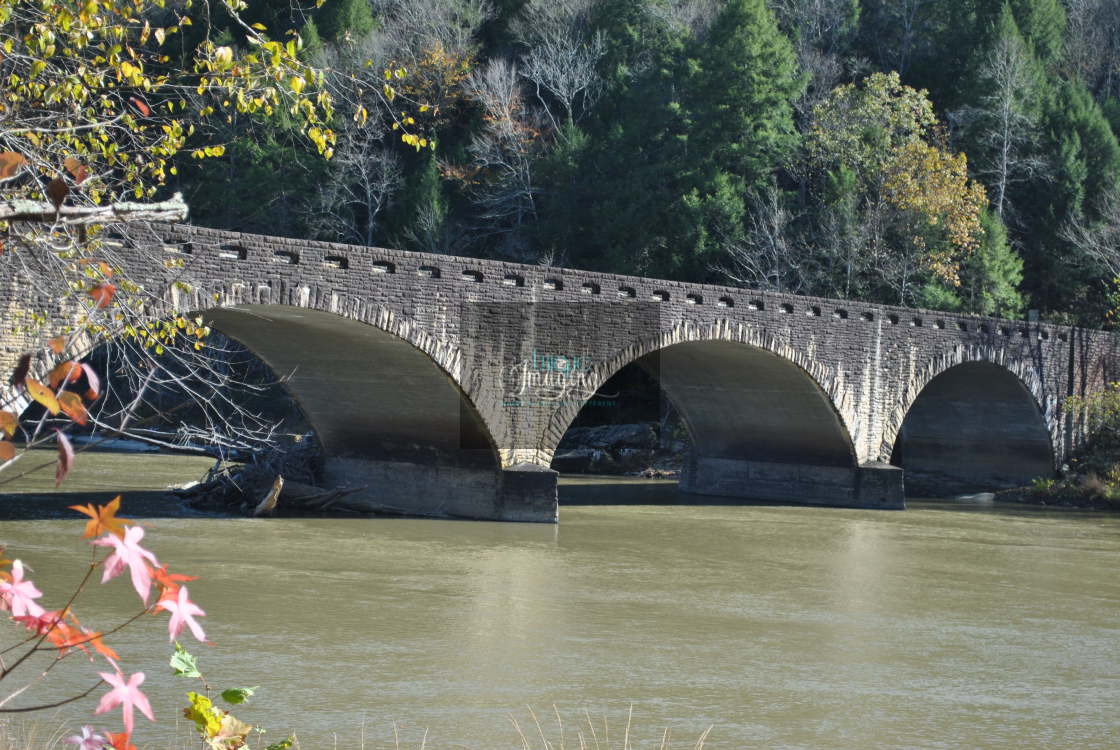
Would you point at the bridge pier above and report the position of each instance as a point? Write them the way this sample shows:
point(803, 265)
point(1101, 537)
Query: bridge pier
point(525, 492)
point(869, 486)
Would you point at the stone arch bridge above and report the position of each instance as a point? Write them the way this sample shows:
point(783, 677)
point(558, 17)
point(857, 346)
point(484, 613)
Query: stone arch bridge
point(445, 384)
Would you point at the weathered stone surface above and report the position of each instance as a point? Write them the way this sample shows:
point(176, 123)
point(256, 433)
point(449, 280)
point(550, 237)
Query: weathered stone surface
point(459, 365)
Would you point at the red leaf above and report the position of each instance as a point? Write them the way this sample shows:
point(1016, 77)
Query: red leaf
point(7, 451)
point(65, 372)
point(57, 192)
point(103, 294)
point(10, 162)
point(57, 344)
point(76, 169)
point(65, 457)
point(120, 741)
point(94, 382)
point(140, 105)
point(73, 407)
point(22, 368)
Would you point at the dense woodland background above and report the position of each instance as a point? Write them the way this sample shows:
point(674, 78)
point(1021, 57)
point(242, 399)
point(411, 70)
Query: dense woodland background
point(955, 154)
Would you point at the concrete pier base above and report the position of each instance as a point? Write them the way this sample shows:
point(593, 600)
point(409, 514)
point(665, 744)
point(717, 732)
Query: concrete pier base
point(869, 486)
point(525, 492)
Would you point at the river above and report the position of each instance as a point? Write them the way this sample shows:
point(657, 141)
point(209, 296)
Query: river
point(945, 626)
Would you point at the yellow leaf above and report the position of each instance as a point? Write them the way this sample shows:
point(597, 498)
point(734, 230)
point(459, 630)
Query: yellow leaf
point(8, 423)
point(43, 395)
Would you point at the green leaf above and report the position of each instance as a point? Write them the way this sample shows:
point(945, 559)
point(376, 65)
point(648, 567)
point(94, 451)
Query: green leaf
point(183, 664)
point(234, 696)
point(282, 744)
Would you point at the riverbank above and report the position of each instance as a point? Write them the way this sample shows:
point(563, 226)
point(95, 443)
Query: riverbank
point(640, 449)
point(1090, 480)
point(1089, 493)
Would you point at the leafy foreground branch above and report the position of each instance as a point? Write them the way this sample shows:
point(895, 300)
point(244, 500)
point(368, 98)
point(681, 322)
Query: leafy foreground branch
point(55, 635)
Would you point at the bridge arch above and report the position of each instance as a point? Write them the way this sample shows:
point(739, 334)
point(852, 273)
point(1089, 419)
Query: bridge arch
point(763, 416)
point(290, 326)
point(384, 397)
point(973, 419)
point(785, 361)
point(369, 391)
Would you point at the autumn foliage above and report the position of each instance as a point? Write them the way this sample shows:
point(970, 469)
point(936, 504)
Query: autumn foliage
point(58, 634)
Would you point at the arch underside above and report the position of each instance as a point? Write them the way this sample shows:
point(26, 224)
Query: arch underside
point(368, 393)
point(391, 422)
point(739, 401)
point(974, 427)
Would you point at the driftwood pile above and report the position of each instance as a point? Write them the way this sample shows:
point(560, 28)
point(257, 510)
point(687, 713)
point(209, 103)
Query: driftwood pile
point(278, 482)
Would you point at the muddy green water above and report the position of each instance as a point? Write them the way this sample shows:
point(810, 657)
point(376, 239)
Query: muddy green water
point(945, 626)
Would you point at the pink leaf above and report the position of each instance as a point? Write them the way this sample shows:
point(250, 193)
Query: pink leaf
point(94, 382)
point(65, 457)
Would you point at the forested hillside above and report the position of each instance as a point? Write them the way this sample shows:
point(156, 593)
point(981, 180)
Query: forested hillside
point(956, 154)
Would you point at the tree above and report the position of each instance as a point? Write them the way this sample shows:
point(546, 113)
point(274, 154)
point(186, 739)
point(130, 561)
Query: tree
point(919, 212)
point(563, 58)
point(1083, 165)
point(1002, 128)
point(989, 278)
point(686, 127)
point(1092, 52)
point(338, 20)
point(741, 97)
point(1043, 23)
point(822, 32)
point(503, 153)
point(1111, 110)
point(363, 176)
point(1098, 240)
point(769, 256)
point(899, 31)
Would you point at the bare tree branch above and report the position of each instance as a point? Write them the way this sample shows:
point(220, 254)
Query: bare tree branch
point(37, 211)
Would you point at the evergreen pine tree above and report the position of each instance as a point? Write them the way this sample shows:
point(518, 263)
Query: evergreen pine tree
point(990, 278)
point(340, 17)
point(1043, 23)
point(1083, 163)
point(1111, 110)
point(741, 97)
point(312, 42)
